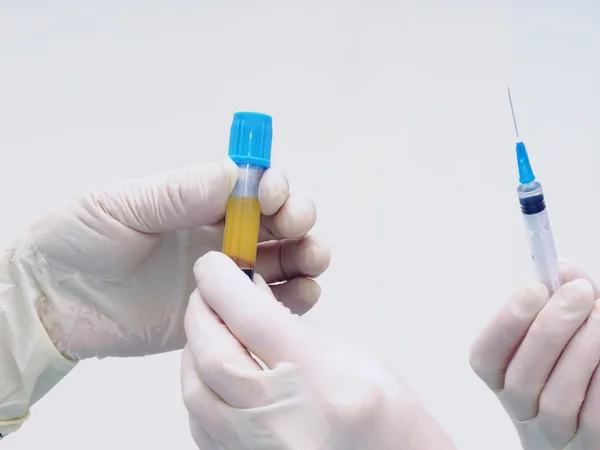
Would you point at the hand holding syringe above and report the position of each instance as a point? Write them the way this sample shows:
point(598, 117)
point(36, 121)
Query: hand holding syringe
point(540, 353)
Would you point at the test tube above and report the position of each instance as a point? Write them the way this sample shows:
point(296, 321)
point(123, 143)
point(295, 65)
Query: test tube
point(250, 148)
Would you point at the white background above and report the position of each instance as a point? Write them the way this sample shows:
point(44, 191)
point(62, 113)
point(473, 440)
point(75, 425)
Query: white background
point(392, 114)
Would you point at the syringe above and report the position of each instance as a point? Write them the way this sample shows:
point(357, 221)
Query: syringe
point(537, 223)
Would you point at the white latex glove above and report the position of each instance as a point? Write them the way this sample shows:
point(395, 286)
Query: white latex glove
point(110, 274)
point(315, 392)
point(540, 357)
point(120, 259)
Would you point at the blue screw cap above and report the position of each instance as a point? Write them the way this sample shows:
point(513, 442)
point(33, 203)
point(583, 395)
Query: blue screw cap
point(250, 139)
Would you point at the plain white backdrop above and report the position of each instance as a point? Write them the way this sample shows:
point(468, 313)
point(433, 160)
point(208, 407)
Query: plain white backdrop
point(392, 114)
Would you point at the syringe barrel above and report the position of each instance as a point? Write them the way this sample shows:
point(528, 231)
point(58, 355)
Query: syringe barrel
point(539, 235)
point(242, 218)
point(250, 148)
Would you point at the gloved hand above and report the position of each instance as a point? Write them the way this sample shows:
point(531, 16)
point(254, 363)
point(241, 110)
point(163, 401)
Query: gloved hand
point(110, 274)
point(314, 393)
point(119, 260)
point(540, 356)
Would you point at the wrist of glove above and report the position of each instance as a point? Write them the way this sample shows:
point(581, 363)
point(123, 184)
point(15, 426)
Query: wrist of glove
point(30, 363)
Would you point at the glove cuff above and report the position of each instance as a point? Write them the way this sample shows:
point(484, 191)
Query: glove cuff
point(30, 364)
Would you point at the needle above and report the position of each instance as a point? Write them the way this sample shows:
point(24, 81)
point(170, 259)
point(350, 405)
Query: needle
point(513, 112)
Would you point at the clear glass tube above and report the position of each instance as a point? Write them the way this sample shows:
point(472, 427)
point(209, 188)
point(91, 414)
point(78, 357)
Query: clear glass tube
point(242, 219)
